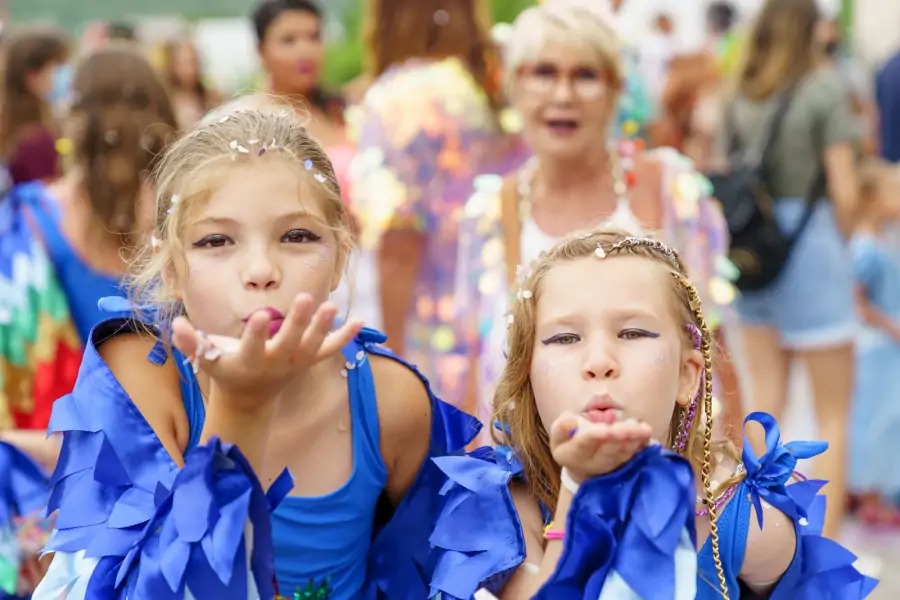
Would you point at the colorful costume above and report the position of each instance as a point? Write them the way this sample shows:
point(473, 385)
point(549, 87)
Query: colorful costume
point(424, 130)
point(691, 221)
point(40, 349)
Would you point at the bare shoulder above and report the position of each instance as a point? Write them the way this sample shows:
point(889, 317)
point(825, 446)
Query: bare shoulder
point(155, 390)
point(530, 516)
point(404, 416)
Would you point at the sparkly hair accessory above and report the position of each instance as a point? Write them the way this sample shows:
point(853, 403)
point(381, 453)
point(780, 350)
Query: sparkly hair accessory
point(687, 420)
point(631, 242)
point(173, 203)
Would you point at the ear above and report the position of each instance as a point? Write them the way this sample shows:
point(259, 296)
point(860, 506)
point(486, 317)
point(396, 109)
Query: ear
point(691, 377)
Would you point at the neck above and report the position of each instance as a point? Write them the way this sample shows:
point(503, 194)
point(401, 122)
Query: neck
point(306, 391)
point(562, 176)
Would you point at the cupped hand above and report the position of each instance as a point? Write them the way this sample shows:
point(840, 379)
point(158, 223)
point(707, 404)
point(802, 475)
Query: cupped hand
point(252, 370)
point(588, 449)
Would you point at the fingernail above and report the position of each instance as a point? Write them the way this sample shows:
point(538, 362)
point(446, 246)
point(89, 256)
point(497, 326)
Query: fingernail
point(573, 432)
point(630, 421)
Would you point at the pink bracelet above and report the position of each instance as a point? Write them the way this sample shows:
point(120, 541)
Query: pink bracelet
point(552, 534)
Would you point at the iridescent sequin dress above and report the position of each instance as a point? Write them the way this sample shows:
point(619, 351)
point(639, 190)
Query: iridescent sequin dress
point(692, 222)
point(424, 130)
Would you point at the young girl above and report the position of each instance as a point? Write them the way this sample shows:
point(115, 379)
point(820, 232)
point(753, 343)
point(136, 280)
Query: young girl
point(876, 410)
point(250, 239)
point(608, 348)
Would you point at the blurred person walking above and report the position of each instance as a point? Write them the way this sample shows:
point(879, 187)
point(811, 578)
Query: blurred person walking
point(785, 92)
point(426, 127)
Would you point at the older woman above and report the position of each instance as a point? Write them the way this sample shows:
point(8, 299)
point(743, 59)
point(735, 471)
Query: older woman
point(564, 75)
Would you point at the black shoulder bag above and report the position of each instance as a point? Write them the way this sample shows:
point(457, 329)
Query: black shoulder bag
point(758, 247)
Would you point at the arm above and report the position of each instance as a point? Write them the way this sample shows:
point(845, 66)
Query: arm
point(769, 552)
point(404, 415)
point(35, 444)
point(399, 261)
point(871, 315)
point(839, 140)
point(540, 562)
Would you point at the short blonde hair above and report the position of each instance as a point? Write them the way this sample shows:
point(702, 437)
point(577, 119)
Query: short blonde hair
point(186, 177)
point(577, 22)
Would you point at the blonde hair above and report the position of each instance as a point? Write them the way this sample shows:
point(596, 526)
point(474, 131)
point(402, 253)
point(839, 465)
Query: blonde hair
point(186, 177)
point(781, 48)
point(581, 22)
point(514, 402)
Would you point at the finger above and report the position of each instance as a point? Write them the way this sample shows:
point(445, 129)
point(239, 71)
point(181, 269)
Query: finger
point(591, 437)
point(564, 428)
point(290, 336)
point(337, 339)
point(318, 330)
point(253, 340)
point(185, 336)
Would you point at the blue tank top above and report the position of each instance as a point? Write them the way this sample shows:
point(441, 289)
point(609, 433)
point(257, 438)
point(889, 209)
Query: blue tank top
point(82, 285)
point(321, 543)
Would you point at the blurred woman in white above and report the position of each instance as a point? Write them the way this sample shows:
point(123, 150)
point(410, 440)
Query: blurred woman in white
point(564, 75)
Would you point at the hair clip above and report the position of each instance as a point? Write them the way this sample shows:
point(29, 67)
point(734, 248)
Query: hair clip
point(657, 245)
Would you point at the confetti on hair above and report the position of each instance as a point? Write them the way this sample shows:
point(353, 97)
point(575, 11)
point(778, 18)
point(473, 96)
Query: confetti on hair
point(238, 147)
point(600, 252)
point(155, 243)
point(225, 118)
point(308, 164)
point(175, 199)
point(320, 178)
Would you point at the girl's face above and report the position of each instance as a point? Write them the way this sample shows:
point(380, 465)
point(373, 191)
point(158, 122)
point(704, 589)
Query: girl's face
point(615, 349)
point(261, 239)
point(566, 99)
point(185, 64)
point(292, 51)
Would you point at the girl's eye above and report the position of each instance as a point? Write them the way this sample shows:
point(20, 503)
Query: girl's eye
point(633, 334)
point(300, 236)
point(212, 241)
point(563, 339)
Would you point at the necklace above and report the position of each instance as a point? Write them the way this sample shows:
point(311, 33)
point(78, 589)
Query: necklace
point(622, 169)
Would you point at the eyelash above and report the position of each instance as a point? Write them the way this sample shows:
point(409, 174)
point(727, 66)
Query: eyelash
point(218, 240)
point(626, 334)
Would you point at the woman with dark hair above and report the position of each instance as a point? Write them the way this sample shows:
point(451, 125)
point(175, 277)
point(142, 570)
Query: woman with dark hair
point(289, 38)
point(191, 97)
point(808, 312)
point(28, 131)
point(427, 126)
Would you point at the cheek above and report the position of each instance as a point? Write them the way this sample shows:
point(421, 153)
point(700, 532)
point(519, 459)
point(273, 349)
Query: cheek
point(556, 384)
point(654, 385)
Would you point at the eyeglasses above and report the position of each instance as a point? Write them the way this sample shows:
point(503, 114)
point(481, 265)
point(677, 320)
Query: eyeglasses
point(586, 83)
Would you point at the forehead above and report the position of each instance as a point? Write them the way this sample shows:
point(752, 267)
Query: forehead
point(554, 48)
point(293, 21)
point(614, 284)
point(262, 189)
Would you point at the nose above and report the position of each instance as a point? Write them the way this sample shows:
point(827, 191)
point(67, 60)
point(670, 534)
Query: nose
point(262, 271)
point(599, 363)
point(562, 89)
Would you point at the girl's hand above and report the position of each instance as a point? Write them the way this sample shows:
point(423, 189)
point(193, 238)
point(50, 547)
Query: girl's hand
point(588, 449)
point(252, 371)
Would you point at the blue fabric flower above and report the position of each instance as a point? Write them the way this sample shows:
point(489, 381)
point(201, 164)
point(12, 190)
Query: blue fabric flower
point(629, 522)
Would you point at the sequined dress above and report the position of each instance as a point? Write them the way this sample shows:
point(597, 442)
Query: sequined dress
point(424, 130)
point(691, 222)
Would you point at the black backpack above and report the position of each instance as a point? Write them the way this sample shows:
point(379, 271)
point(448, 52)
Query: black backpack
point(758, 247)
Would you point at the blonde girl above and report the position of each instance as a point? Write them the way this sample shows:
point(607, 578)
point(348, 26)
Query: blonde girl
point(223, 375)
point(608, 349)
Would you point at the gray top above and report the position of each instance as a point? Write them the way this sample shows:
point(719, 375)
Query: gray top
point(820, 116)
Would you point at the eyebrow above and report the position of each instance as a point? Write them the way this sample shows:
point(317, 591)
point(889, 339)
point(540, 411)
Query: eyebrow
point(292, 216)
